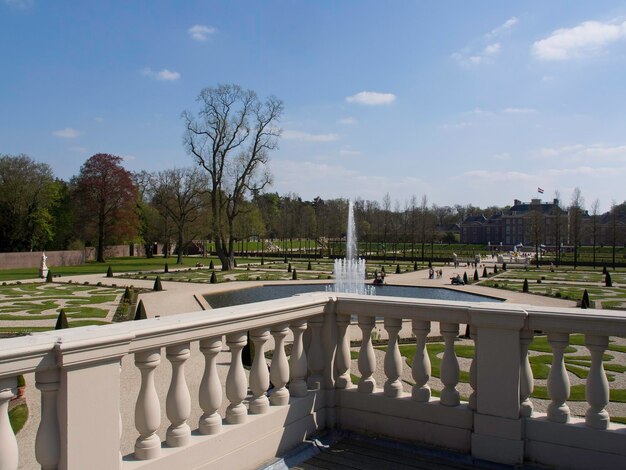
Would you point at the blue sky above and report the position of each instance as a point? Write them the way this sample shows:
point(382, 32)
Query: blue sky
point(466, 102)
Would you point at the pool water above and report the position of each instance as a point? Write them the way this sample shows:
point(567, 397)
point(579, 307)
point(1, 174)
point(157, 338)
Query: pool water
point(271, 292)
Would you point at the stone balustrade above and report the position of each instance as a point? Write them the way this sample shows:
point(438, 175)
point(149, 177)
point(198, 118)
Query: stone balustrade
point(78, 374)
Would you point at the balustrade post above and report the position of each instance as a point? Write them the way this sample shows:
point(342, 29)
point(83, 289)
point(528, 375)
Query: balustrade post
point(8, 443)
point(498, 431)
point(367, 359)
point(259, 375)
point(298, 361)
point(178, 401)
point(421, 362)
point(449, 365)
point(279, 370)
point(316, 353)
point(47, 442)
point(147, 409)
point(236, 383)
point(393, 359)
point(473, 371)
point(527, 381)
point(210, 391)
point(597, 389)
point(342, 359)
point(558, 380)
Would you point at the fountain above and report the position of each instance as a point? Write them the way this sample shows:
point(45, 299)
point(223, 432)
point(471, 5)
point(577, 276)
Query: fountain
point(350, 271)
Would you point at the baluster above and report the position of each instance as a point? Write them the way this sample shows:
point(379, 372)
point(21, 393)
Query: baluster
point(558, 381)
point(298, 361)
point(8, 443)
point(47, 443)
point(147, 409)
point(259, 375)
point(421, 362)
point(449, 366)
point(316, 353)
point(367, 359)
point(210, 392)
point(120, 426)
point(597, 389)
point(342, 359)
point(236, 383)
point(473, 372)
point(279, 370)
point(393, 359)
point(178, 402)
point(527, 381)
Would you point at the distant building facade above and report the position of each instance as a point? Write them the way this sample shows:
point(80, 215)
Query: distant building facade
point(522, 223)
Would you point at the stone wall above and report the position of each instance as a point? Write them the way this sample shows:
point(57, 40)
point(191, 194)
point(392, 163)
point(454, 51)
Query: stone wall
point(32, 259)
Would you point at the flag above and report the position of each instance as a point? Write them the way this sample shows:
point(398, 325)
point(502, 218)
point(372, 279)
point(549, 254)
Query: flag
point(540, 191)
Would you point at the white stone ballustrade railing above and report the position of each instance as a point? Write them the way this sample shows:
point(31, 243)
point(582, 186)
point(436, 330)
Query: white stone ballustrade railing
point(78, 374)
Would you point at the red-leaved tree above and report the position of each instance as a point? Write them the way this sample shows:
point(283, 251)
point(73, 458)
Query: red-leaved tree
point(106, 199)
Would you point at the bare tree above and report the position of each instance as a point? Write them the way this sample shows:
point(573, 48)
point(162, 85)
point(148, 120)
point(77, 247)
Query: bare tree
point(576, 212)
point(231, 138)
point(595, 215)
point(179, 195)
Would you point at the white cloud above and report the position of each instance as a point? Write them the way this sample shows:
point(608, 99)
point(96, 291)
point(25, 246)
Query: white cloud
point(371, 98)
point(502, 156)
point(201, 32)
point(586, 39)
point(164, 75)
point(98, 119)
point(348, 151)
point(466, 58)
point(67, 133)
point(347, 121)
point(307, 137)
point(504, 27)
point(23, 4)
point(585, 152)
point(519, 110)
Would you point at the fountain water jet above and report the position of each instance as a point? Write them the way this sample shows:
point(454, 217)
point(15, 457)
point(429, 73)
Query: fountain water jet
point(350, 271)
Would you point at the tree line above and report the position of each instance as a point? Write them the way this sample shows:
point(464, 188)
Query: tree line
point(222, 197)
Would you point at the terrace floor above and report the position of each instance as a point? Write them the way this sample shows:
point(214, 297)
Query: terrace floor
point(347, 450)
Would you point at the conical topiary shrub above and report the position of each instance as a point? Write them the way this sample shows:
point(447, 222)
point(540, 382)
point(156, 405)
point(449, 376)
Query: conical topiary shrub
point(157, 285)
point(140, 313)
point(414, 265)
point(262, 260)
point(294, 275)
point(211, 265)
point(585, 303)
point(126, 296)
point(49, 276)
point(604, 270)
point(382, 269)
point(525, 286)
point(213, 278)
point(398, 271)
point(309, 267)
point(465, 281)
point(495, 269)
point(166, 269)
point(285, 260)
point(607, 280)
point(430, 264)
point(476, 278)
point(61, 321)
point(234, 263)
point(503, 266)
point(289, 268)
point(110, 272)
point(485, 274)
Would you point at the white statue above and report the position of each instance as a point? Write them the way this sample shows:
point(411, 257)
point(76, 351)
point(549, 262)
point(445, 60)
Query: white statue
point(43, 269)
